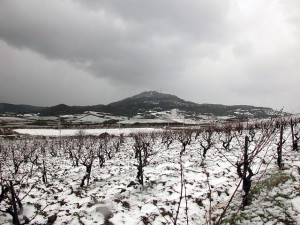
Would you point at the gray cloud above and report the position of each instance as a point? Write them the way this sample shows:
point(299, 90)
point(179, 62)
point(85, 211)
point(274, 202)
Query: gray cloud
point(28, 78)
point(231, 52)
point(127, 42)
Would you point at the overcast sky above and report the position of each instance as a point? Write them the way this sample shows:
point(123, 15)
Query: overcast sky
point(81, 52)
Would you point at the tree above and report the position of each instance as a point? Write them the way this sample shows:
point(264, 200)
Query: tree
point(228, 136)
point(87, 158)
point(185, 137)
point(246, 173)
point(206, 141)
point(279, 147)
point(143, 148)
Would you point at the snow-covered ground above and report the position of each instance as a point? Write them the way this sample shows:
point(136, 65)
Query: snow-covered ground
point(91, 117)
point(73, 132)
point(11, 119)
point(114, 197)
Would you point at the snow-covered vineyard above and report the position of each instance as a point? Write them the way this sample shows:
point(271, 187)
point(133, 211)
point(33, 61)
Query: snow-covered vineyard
point(223, 174)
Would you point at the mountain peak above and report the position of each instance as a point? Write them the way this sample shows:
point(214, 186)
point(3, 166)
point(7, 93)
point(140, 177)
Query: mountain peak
point(147, 94)
point(151, 94)
point(147, 101)
point(147, 97)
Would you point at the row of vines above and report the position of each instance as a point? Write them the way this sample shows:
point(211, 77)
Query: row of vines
point(27, 162)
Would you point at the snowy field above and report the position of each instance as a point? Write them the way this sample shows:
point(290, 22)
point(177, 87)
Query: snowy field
point(180, 187)
point(73, 132)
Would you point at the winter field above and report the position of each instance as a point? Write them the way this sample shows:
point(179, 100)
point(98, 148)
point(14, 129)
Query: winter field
point(74, 132)
point(223, 174)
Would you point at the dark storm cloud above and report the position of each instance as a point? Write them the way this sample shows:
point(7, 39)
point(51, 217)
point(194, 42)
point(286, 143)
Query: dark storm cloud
point(199, 19)
point(27, 78)
point(96, 51)
point(125, 41)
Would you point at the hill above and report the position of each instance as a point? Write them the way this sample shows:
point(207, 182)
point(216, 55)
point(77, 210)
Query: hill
point(144, 104)
point(148, 101)
point(11, 108)
point(155, 101)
